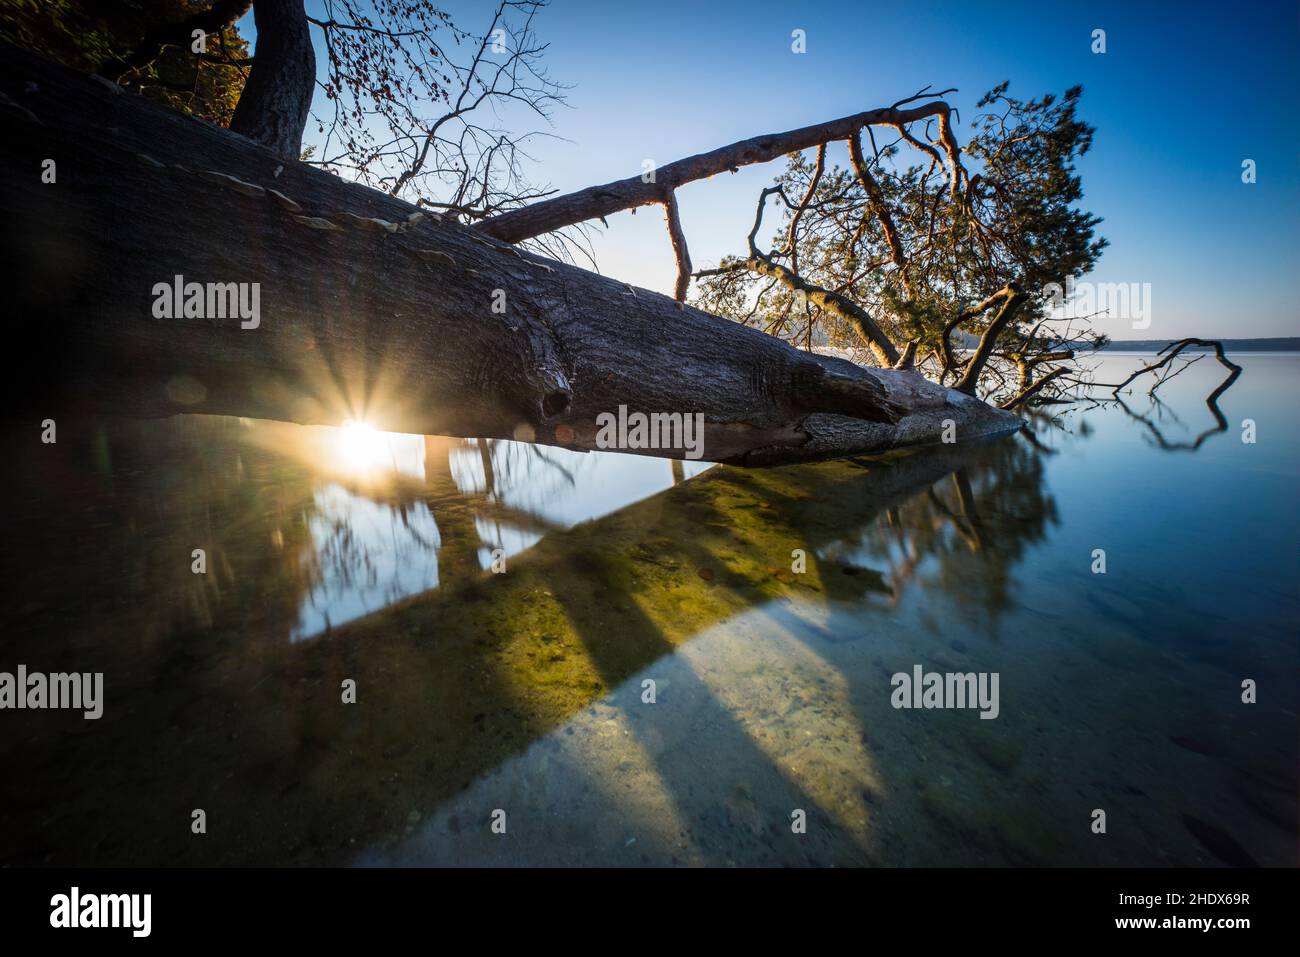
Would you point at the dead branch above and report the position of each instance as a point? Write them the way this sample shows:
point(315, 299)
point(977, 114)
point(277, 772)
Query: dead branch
point(1032, 389)
point(597, 201)
point(682, 254)
point(1170, 351)
point(879, 209)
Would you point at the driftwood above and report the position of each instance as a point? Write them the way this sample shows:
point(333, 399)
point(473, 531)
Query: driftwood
point(368, 307)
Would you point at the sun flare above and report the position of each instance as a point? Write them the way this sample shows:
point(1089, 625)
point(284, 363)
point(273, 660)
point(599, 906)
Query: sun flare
point(361, 446)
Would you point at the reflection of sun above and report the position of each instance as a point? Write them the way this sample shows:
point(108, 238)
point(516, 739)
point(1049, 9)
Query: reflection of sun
point(361, 446)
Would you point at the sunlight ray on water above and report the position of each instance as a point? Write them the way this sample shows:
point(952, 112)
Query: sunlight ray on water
point(796, 707)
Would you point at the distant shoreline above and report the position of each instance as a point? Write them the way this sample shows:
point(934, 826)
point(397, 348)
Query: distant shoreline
point(1269, 344)
point(1276, 344)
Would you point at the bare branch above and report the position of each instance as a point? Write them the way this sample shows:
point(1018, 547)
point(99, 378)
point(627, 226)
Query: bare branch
point(678, 236)
point(879, 209)
point(1032, 389)
point(596, 201)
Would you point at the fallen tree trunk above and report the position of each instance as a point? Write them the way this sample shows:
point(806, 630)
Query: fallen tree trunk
point(367, 308)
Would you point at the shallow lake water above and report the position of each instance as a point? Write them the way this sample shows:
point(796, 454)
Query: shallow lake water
point(337, 555)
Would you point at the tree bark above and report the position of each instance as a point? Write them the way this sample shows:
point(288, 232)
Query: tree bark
point(276, 100)
point(369, 309)
point(1012, 299)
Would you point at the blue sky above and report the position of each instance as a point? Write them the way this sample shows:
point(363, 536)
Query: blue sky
point(1184, 93)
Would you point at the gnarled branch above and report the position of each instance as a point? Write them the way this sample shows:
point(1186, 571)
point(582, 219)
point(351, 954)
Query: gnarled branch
point(683, 255)
point(1012, 299)
point(597, 201)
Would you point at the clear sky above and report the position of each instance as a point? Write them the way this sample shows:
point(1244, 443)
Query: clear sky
point(1183, 94)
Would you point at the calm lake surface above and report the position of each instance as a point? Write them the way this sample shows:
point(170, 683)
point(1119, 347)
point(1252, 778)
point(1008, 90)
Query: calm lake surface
point(337, 554)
